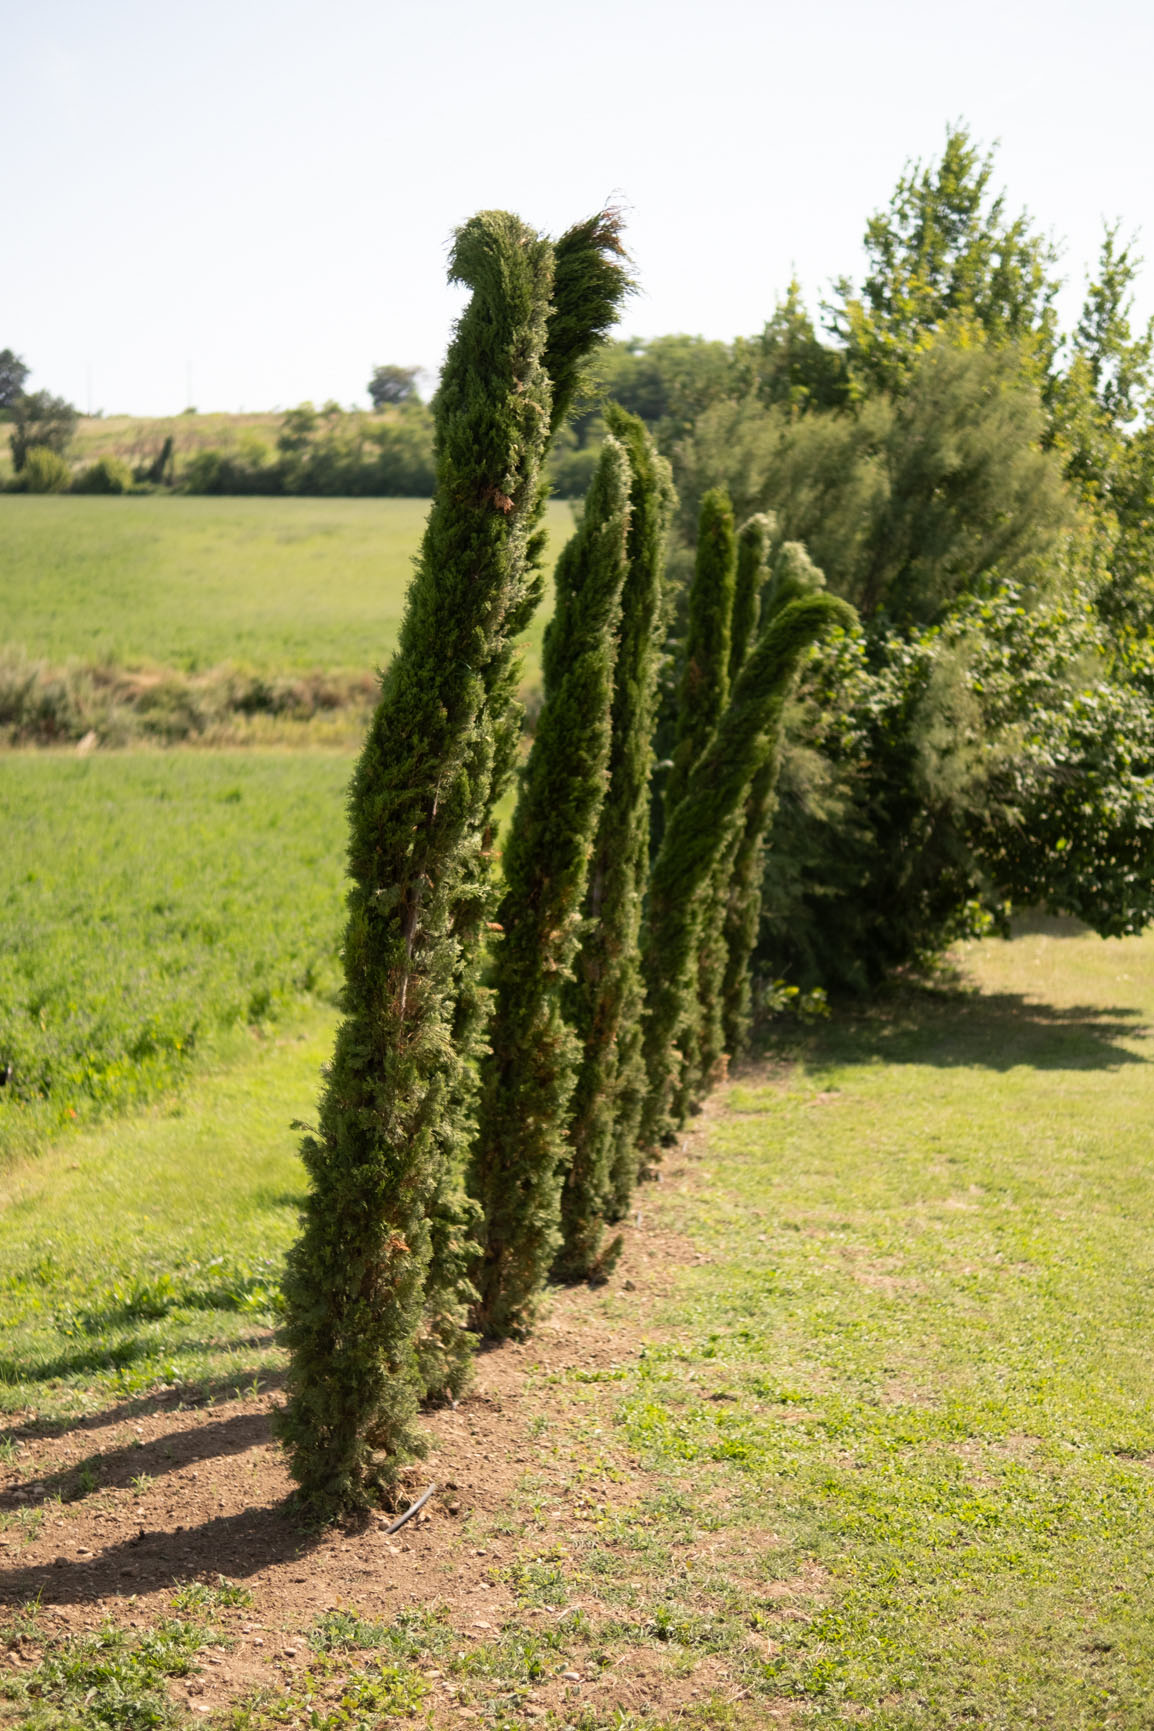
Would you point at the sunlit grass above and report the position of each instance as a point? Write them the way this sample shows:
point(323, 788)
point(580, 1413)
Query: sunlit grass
point(192, 583)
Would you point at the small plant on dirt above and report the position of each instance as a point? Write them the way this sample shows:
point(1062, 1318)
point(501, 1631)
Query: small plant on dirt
point(341, 1630)
point(206, 1598)
point(364, 1699)
point(111, 1680)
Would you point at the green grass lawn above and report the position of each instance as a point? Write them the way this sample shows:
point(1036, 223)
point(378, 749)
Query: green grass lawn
point(191, 583)
point(143, 1252)
point(897, 1416)
point(149, 904)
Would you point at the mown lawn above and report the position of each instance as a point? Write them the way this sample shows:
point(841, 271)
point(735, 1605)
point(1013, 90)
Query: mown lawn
point(191, 583)
point(896, 1420)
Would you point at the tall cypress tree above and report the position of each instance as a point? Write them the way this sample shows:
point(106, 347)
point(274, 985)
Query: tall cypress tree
point(390, 1129)
point(527, 1078)
point(702, 695)
point(707, 1048)
point(695, 832)
point(704, 686)
point(794, 574)
point(589, 284)
point(604, 1002)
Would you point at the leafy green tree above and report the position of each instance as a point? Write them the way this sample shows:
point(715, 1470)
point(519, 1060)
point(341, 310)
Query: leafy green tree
point(605, 1001)
point(695, 832)
point(667, 381)
point(932, 777)
point(909, 501)
point(529, 1073)
point(1100, 429)
point(390, 385)
point(391, 1133)
point(13, 374)
point(789, 366)
point(42, 421)
point(947, 252)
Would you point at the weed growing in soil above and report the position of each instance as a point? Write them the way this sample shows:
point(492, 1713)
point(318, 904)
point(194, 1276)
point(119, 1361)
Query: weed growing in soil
point(110, 1680)
point(204, 1598)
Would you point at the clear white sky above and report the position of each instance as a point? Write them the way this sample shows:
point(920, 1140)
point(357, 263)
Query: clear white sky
point(248, 201)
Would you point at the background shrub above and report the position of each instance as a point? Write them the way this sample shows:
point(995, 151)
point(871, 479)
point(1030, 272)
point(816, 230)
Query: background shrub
point(44, 471)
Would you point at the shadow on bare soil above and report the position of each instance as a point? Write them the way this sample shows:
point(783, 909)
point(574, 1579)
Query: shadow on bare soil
point(238, 1545)
point(118, 1468)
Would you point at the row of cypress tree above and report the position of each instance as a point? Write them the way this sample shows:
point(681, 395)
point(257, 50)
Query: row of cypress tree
point(476, 1134)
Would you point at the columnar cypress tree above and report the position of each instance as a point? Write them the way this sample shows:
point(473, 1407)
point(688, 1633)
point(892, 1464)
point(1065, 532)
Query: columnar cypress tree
point(702, 695)
point(706, 1042)
point(753, 544)
point(604, 1002)
point(390, 1121)
point(695, 832)
point(794, 574)
point(527, 1078)
point(589, 284)
point(704, 688)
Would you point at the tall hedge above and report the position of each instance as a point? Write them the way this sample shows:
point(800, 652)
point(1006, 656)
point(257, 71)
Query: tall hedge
point(605, 999)
point(527, 1077)
point(695, 834)
point(394, 1109)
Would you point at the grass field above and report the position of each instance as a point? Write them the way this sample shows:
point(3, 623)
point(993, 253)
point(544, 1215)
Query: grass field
point(191, 583)
point(883, 1453)
point(150, 904)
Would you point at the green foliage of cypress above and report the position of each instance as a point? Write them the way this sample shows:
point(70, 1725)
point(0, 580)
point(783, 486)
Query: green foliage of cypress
point(702, 695)
point(528, 1076)
point(695, 832)
point(794, 574)
point(604, 1002)
point(355, 1282)
point(706, 1048)
point(753, 544)
point(589, 284)
point(704, 688)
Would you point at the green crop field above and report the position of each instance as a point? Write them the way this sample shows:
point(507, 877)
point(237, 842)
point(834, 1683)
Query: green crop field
point(190, 583)
point(150, 903)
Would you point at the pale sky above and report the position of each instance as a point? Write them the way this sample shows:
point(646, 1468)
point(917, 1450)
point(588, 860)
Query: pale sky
point(246, 203)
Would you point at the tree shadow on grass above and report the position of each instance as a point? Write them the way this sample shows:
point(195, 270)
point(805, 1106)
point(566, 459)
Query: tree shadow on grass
point(989, 1030)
